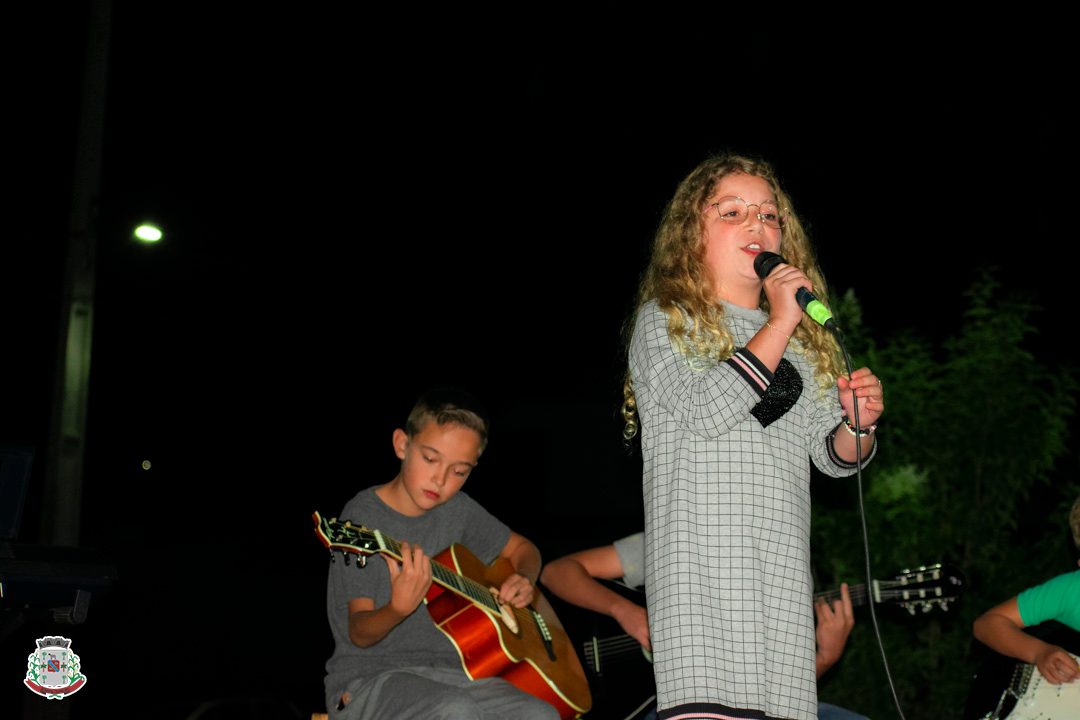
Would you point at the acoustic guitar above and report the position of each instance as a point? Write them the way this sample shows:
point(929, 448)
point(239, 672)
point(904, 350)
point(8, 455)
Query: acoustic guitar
point(617, 662)
point(527, 647)
point(918, 589)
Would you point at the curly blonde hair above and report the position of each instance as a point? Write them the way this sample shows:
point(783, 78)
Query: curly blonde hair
point(680, 281)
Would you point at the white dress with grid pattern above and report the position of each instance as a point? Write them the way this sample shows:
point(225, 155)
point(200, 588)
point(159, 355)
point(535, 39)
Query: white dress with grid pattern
point(727, 522)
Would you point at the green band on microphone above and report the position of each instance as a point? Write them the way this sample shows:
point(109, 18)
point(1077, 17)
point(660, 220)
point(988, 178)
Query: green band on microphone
point(818, 311)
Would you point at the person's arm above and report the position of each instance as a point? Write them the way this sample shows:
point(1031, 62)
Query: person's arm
point(831, 444)
point(705, 397)
point(771, 341)
point(409, 583)
point(1001, 628)
point(572, 579)
point(834, 623)
point(524, 557)
point(870, 396)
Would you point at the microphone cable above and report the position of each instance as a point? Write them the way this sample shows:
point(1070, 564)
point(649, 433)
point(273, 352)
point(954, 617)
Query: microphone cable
point(764, 263)
point(862, 520)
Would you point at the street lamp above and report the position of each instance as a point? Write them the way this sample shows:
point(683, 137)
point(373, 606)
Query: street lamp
point(147, 233)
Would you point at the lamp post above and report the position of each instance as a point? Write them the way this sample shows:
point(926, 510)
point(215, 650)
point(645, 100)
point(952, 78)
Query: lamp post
point(62, 502)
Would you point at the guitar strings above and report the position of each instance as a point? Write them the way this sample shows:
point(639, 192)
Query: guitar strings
point(616, 643)
point(613, 651)
point(468, 587)
point(901, 590)
point(858, 594)
point(454, 580)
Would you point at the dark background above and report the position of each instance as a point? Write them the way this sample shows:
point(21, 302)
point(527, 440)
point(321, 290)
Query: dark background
point(359, 204)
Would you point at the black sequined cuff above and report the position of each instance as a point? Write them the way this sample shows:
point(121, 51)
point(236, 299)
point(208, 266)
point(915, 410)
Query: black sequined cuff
point(781, 396)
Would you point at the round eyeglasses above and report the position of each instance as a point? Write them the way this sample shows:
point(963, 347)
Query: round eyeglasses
point(735, 210)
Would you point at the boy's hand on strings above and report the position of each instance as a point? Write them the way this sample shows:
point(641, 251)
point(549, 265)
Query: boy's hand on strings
point(834, 623)
point(409, 579)
point(869, 392)
point(635, 621)
point(516, 590)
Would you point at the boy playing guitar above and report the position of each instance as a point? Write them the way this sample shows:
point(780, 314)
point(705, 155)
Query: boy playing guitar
point(390, 660)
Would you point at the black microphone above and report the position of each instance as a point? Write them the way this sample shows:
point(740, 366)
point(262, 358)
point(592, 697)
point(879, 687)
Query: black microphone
point(764, 264)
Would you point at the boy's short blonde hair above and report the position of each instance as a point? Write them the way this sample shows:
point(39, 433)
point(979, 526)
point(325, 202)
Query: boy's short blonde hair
point(449, 405)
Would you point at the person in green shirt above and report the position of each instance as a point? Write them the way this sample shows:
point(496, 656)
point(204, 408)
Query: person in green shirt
point(1002, 627)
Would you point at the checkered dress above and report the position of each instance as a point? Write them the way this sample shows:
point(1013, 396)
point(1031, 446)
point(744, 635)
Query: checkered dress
point(727, 448)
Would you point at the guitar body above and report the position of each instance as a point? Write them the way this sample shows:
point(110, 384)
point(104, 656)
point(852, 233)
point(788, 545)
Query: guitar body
point(620, 672)
point(526, 647)
point(488, 648)
point(1022, 694)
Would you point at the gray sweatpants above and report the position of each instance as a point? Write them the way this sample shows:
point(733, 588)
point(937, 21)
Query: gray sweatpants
point(428, 693)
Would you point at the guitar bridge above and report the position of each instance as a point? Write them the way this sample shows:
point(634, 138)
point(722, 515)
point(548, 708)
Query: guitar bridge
point(545, 634)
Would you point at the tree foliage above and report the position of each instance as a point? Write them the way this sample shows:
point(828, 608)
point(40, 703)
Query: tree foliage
point(972, 471)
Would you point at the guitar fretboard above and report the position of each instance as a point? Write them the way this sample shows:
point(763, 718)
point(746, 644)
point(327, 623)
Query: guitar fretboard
point(446, 577)
point(927, 585)
point(858, 593)
point(923, 587)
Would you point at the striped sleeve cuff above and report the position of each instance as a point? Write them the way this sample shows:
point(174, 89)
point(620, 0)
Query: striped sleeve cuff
point(751, 370)
point(839, 461)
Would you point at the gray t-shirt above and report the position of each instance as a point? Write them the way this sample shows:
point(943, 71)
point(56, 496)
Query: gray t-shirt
point(416, 641)
point(631, 552)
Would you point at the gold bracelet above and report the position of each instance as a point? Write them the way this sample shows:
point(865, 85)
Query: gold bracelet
point(772, 327)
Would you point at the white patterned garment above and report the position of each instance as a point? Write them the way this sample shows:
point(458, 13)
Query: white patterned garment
point(727, 449)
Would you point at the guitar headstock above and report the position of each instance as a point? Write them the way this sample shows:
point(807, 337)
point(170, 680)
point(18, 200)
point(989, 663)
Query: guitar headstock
point(923, 587)
point(348, 539)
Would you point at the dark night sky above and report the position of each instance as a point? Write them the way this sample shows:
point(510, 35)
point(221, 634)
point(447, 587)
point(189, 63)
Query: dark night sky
point(359, 206)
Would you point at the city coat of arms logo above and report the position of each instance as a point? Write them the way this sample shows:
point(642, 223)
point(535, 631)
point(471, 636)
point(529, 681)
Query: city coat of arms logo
point(53, 669)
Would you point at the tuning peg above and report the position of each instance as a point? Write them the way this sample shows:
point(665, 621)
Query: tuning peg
point(944, 605)
point(346, 557)
point(333, 557)
point(926, 608)
point(361, 561)
point(910, 608)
